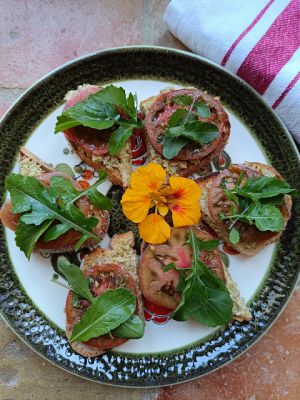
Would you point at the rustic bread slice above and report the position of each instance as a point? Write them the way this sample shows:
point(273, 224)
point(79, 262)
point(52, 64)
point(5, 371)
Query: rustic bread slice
point(118, 167)
point(31, 165)
point(245, 247)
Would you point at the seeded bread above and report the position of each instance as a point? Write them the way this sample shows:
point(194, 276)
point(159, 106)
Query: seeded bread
point(118, 167)
point(245, 247)
point(31, 165)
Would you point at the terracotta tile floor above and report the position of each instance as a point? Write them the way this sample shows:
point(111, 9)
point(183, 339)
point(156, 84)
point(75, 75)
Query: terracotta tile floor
point(36, 36)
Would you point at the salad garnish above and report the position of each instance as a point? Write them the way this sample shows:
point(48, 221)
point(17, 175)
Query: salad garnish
point(184, 127)
point(112, 312)
point(205, 298)
point(41, 206)
point(255, 201)
point(108, 108)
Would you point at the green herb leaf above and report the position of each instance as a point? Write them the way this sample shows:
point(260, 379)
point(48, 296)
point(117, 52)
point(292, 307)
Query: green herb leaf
point(77, 281)
point(178, 117)
point(264, 187)
point(38, 204)
point(107, 312)
point(183, 99)
point(118, 138)
point(103, 110)
point(202, 109)
point(234, 236)
point(28, 235)
point(205, 297)
point(197, 131)
point(266, 217)
point(173, 145)
point(133, 328)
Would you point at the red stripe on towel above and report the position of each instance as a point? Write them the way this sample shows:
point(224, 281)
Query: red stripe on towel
point(286, 91)
point(273, 50)
point(244, 33)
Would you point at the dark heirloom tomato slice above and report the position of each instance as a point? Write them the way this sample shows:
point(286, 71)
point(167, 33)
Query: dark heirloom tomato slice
point(217, 203)
point(159, 113)
point(161, 287)
point(88, 140)
point(103, 277)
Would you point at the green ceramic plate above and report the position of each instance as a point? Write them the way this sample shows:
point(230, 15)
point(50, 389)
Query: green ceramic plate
point(171, 352)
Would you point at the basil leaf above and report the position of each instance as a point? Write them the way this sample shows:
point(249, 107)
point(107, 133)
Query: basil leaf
point(77, 281)
point(183, 99)
point(133, 328)
point(107, 312)
point(266, 217)
point(234, 236)
point(92, 113)
point(200, 132)
point(178, 117)
point(202, 109)
point(264, 187)
point(118, 139)
point(173, 145)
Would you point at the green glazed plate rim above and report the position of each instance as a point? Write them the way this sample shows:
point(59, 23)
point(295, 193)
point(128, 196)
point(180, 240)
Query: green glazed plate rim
point(152, 370)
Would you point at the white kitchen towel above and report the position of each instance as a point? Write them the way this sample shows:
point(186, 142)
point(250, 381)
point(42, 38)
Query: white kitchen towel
point(256, 39)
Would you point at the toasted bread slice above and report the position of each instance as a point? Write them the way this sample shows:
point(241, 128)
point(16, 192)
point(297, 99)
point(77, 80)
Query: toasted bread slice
point(252, 240)
point(118, 167)
point(31, 165)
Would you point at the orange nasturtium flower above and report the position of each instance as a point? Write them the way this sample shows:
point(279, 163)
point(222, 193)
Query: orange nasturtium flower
point(148, 189)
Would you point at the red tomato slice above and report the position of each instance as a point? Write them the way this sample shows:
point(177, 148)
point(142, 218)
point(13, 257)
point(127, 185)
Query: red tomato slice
point(103, 277)
point(161, 287)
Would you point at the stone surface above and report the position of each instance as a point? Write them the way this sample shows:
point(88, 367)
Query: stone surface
point(37, 36)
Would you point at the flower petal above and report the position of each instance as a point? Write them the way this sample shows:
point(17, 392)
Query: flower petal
point(148, 178)
point(135, 205)
point(154, 229)
point(183, 201)
point(162, 209)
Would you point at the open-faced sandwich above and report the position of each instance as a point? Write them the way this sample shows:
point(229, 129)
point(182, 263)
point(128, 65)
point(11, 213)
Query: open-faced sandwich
point(177, 273)
point(185, 129)
point(104, 307)
point(247, 205)
point(48, 210)
point(98, 123)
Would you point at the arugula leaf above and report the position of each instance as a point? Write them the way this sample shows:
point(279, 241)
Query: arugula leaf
point(205, 297)
point(107, 312)
point(133, 328)
point(69, 194)
point(264, 187)
point(234, 236)
point(266, 217)
point(38, 204)
point(102, 110)
point(183, 99)
point(178, 117)
point(27, 235)
point(77, 281)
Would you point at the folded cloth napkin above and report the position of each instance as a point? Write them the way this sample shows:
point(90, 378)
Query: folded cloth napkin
point(258, 40)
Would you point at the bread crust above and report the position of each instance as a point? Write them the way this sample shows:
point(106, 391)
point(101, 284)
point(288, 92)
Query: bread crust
point(244, 247)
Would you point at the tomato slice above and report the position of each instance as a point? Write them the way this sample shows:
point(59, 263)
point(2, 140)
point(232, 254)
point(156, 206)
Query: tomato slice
point(217, 203)
point(159, 113)
point(103, 277)
point(161, 287)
